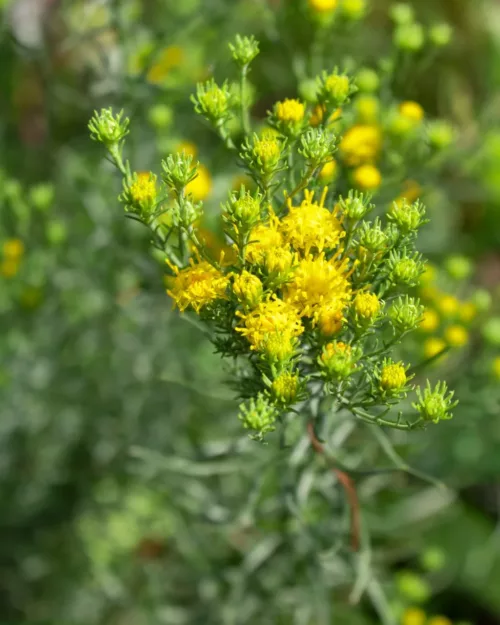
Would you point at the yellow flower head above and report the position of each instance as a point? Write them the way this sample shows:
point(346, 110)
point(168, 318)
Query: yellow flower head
point(367, 177)
point(272, 316)
point(433, 346)
point(197, 285)
point(200, 187)
point(456, 336)
point(366, 306)
point(430, 320)
point(413, 616)
point(361, 144)
point(323, 6)
point(448, 305)
point(393, 377)
point(169, 58)
point(412, 111)
point(267, 150)
point(248, 289)
point(329, 171)
point(143, 190)
point(13, 249)
point(285, 387)
point(495, 367)
point(278, 260)
point(317, 282)
point(311, 226)
point(263, 239)
point(329, 319)
point(291, 111)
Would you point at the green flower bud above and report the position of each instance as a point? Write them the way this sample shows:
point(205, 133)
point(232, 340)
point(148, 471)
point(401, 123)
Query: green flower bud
point(459, 267)
point(244, 49)
point(258, 415)
point(242, 210)
point(440, 34)
point(413, 586)
point(160, 116)
point(408, 217)
point(42, 195)
point(262, 154)
point(435, 405)
point(107, 128)
point(409, 37)
point(287, 388)
point(338, 360)
point(405, 269)
point(317, 145)
point(440, 133)
point(335, 89)
point(356, 205)
point(392, 378)
point(482, 300)
point(491, 331)
point(212, 101)
point(367, 80)
point(178, 170)
point(372, 236)
point(405, 314)
point(402, 13)
point(248, 290)
point(433, 559)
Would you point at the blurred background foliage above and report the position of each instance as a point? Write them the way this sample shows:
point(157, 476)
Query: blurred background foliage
point(127, 491)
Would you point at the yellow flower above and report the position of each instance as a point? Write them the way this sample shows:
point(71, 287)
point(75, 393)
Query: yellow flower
point(9, 268)
point(272, 316)
point(267, 150)
point(367, 177)
point(169, 58)
point(248, 289)
point(278, 260)
point(317, 282)
point(439, 620)
point(323, 6)
point(329, 171)
point(329, 319)
point(429, 274)
point(393, 377)
point(285, 387)
point(278, 346)
point(366, 306)
point(263, 238)
point(412, 111)
point(361, 144)
point(143, 190)
point(433, 346)
point(290, 110)
point(13, 249)
point(197, 285)
point(318, 113)
point(367, 108)
point(430, 320)
point(200, 187)
point(467, 311)
point(187, 147)
point(413, 616)
point(311, 226)
point(456, 336)
point(495, 367)
point(448, 305)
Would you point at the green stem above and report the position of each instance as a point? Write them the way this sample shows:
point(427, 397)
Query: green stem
point(301, 185)
point(245, 116)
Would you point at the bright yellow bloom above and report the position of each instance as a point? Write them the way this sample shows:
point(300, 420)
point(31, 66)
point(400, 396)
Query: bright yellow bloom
point(13, 249)
point(263, 239)
point(495, 367)
point(430, 320)
point(448, 305)
point(187, 147)
point(323, 6)
point(200, 187)
point(413, 616)
point(285, 387)
point(9, 267)
point(170, 58)
point(311, 226)
point(361, 144)
point(248, 289)
point(143, 190)
point(366, 306)
point(412, 111)
point(433, 346)
point(197, 285)
point(367, 177)
point(329, 319)
point(290, 110)
point(467, 311)
point(329, 171)
point(267, 150)
point(278, 260)
point(317, 282)
point(393, 377)
point(456, 336)
point(439, 620)
point(272, 316)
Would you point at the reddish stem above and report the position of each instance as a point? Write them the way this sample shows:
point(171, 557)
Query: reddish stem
point(347, 484)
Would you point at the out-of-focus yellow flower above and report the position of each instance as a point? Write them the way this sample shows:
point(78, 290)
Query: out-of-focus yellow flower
point(410, 193)
point(168, 59)
point(13, 249)
point(439, 620)
point(9, 268)
point(323, 6)
point(188, 147)
point(495, 367)
point(413, 616)
point(367, 108)
point(328, 172)
point(361, 144)
point(318, 113)
point(467, 311)
point(412, 111)
point(430, 320)
point(433, 346)
point(367, 177)
point(456, 336)
point(429, 274)
point(200, 186)
point(448, 305)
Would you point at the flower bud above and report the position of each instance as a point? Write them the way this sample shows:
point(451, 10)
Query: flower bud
point(278, 348)
point(408, 217)
point(178, 170)
point(441, 134)
point(356, 205)
point(42, 195)
point(242, 210)
point(366, 307)
point(404, 269)
point(405, 314)
point(458, 267)
point(285, 388)
point(353, 9)
point(317, 145)
point(409, 37)
point(139, 195)
point(212, 101)
point(160, 116)
point(372, 237)
point(402, 13)
point(392, 378)
point(258, 415)
point(435, 405)
point(367, 80)
point(335, 88)
point(338, 360)
point(440, 34)
point(244, 49)
point(107, 128)
point(248, 290)
point(264, 154)
point(288, 116)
